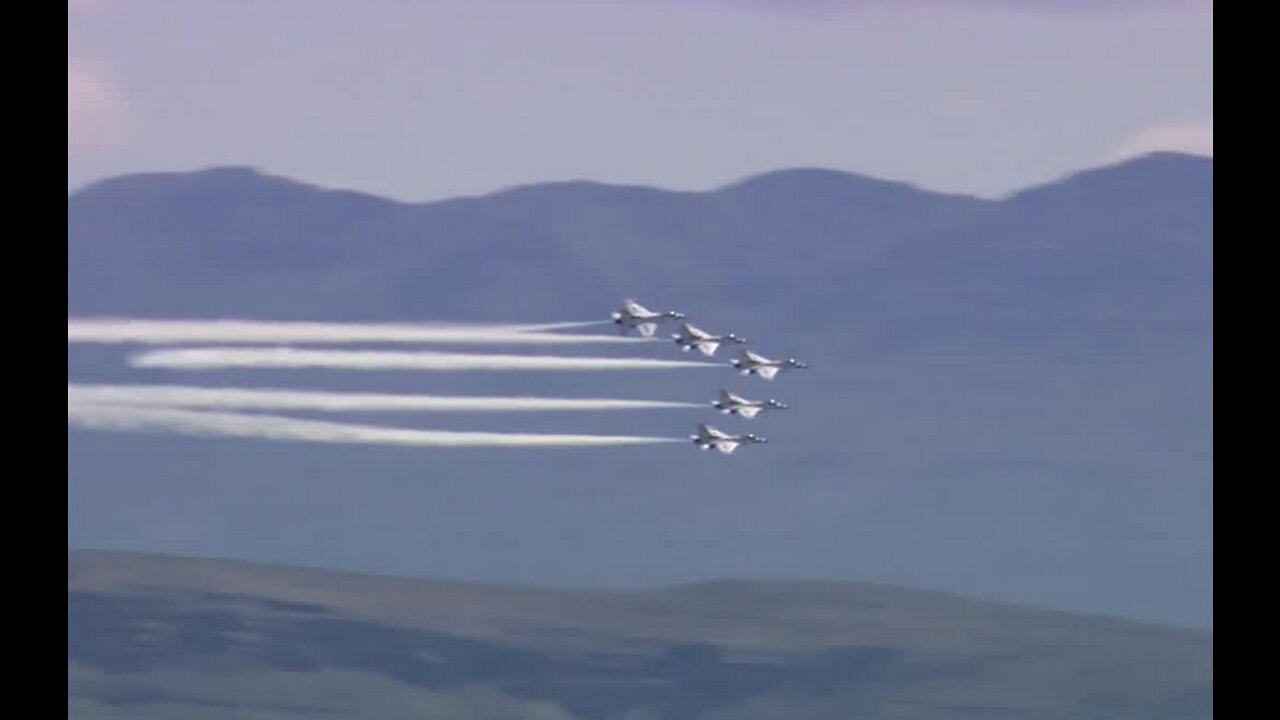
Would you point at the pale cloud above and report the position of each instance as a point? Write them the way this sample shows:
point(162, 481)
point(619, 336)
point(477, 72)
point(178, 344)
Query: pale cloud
point(368, 100)
point(95, 108)
point(1193, 137)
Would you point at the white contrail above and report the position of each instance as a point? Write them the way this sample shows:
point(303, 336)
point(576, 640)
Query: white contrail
point(219, 357)
point(269, 399)
point(169, 332)
point(546, 327)
point(270, 427)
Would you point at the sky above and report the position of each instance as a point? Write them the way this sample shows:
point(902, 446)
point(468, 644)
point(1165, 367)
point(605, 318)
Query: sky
point(426, 100)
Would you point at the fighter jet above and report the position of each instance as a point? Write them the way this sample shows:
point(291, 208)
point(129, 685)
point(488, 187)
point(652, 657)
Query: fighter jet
point(645, 321)
point(731, 404)
point(749, 363)
point(709, 437)
point(690, 337)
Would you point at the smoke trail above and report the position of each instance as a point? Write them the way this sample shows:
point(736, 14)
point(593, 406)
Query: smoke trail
point(209, 358)
point(566, 326)
point(162, 332)
point(267, 399)
point(270, 427)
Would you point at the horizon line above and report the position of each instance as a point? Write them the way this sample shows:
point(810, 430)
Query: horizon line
point(482, 582)
point(260, 171)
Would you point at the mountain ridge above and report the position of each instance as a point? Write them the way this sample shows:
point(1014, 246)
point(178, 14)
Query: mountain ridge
point(81, 578)
point(249, 172)
point(1009, 400)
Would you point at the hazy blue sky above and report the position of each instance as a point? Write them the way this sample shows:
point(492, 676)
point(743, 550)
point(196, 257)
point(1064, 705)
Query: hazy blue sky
point(422, 100)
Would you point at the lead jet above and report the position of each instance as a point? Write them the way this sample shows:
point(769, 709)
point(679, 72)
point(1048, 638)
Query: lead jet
point(709, 437)
point(749, 363)
point(691, 337)
point(731, 404)
point(645, 321)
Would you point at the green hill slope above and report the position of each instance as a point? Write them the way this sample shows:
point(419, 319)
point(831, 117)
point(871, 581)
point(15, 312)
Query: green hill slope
point(155, 636)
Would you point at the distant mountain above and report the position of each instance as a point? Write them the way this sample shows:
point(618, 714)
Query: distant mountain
point(1011, 399)
point(153, 636)
point(212, 241)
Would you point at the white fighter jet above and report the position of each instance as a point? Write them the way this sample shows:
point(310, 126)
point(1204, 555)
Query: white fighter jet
point(731, 404)
point(749, 363)
point(645, 321)
point(709, 437)
point(691, 337)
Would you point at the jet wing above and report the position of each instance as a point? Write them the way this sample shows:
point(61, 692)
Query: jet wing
point(696, 333)
point(768, 372)
point(727, 447)
point(710, 432)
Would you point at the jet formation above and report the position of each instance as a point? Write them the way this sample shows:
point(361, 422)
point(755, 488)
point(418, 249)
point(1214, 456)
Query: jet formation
point(633, 316)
